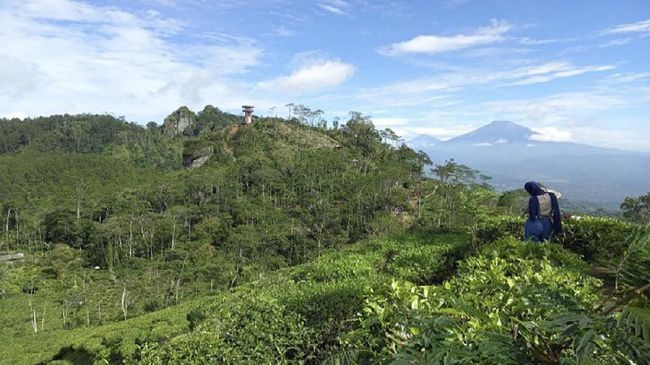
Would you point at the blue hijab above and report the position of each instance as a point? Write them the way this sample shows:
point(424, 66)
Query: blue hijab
point(534, 189)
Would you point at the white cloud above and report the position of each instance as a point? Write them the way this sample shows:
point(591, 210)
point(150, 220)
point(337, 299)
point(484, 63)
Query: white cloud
point(537, 42)
point(337, 7)
point(629, 77)
point(442, 132)
point(554, 71)
point(416, 90)
point(432, 44)
point(389, 122)
point(282, 31)
point(315, 76)
point(641, 26)
point(616, 42)
point(555, 108)
point(613, 137)
point(451, 4)
point(551, 134)
point(64, 56)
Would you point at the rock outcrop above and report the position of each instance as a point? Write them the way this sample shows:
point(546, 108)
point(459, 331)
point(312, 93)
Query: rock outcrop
point(181, 121)
point(197, 158)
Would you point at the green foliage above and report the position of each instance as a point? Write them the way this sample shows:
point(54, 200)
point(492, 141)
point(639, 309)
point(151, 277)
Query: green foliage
point(295, 314)
point(493, 228)
point(247, 328)
point(637, 209)
point(457, 200)
point(513, 201)
point(212, 119)
point(596, 239)
point(83, 133)
point(509, 304)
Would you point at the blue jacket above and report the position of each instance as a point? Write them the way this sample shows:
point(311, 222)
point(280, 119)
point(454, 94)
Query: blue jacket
point(534, 189)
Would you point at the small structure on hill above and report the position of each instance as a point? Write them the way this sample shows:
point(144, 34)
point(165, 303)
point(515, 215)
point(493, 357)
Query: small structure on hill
point(248, 114)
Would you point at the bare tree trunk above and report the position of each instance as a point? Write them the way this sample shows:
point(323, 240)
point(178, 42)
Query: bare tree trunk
point(7, 228)
point(64, 315)
point(151, 251)
point(234, 279)
point(17, 225)
point(177, 286)
point(124, 305)
point(43, 316)
point(34, 321)
point(131, 237)
point(174, 233)
point(78, 189)
point(33, 313)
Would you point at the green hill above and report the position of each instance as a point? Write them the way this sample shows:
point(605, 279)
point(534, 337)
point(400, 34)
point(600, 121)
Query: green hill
point(203, 241)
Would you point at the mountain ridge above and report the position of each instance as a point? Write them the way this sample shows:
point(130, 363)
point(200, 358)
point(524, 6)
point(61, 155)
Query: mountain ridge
point(496, 132)
point(505, 151)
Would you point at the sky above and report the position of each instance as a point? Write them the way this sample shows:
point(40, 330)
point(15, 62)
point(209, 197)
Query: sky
point(571, 70)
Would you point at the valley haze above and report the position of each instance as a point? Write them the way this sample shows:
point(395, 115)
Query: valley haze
point(512, 154)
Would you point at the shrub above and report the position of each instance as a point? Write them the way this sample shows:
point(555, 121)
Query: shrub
point(494, 228)
point(596, 239)
point(510, 304)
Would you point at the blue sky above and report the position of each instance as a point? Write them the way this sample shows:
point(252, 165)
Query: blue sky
point(571, 70)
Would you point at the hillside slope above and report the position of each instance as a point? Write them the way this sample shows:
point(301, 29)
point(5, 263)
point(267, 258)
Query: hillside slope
point(114, 228)
point(415, 298)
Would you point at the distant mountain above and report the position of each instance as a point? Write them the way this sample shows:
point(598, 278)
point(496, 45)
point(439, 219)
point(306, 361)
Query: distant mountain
point(510, 154)
point(423, 141)
point(497, 132)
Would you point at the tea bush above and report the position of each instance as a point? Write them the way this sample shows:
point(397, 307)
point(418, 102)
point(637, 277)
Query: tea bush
point(596, 239)
point(510, 304)
point(298, 314)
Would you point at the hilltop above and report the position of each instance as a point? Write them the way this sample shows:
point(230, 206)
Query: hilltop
point(113, 225)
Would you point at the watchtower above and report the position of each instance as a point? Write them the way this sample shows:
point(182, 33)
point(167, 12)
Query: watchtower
point(248, 114)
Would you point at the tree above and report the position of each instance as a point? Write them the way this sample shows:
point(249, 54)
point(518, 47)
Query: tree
point(60, 226)
point(454, 173)
point(361, 134)
point(637, 209)
point(212, 119)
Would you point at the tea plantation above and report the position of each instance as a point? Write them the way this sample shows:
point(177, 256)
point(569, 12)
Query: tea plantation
point(408, 298)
